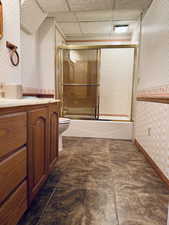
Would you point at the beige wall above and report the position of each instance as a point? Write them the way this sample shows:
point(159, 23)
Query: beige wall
point(11, 14)
point(152, 126)
point(154, 47)
point(38, 58)
point(30, 60)
point(47, 54)
point(36, 70)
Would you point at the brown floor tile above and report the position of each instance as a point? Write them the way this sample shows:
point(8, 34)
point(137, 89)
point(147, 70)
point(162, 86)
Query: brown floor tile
point(100, 182)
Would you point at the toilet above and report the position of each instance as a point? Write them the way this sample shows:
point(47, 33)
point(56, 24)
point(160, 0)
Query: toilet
point(64, 124)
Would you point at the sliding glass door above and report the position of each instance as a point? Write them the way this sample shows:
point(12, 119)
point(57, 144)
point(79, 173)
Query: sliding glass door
point(116, 83)
point(96, 83)
point(80, 84)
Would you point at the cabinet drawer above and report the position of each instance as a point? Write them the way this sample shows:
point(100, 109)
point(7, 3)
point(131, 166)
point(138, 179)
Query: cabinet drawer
point(12, 172)
point(12, 210)
point(13, 132)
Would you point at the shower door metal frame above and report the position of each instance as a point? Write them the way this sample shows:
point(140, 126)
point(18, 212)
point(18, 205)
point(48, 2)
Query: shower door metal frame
point(59, 75)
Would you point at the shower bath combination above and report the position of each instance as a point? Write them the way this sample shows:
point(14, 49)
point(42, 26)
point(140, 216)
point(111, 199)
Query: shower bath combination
point(96, 82)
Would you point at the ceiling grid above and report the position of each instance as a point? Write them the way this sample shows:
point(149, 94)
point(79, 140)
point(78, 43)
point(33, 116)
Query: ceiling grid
point(94, 18)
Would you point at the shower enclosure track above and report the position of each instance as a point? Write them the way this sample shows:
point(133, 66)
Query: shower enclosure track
point(81, 84)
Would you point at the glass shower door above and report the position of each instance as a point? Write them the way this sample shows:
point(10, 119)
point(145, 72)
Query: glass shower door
point(116, 84)
point(80, 84)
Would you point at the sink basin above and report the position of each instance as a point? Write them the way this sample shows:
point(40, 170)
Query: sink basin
point(25, 101)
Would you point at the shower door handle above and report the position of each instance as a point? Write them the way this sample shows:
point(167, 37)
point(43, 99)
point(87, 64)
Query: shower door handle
point(97, 108)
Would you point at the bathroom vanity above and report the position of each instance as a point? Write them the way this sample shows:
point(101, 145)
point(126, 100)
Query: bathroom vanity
point(28, 152)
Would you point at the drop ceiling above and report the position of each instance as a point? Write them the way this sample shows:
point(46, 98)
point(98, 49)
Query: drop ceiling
point(88, 19)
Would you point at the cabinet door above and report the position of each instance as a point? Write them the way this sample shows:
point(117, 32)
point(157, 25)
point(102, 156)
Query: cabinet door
point(53, 146)
point(37, 149)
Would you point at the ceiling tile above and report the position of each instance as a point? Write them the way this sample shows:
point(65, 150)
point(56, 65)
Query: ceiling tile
point(133, 26)
point(63, 17)
point(69, 28)
point(119, 37)
point(132, 4)
point(85, 5)
point(73, 37)
point(96, 27)
point(113, 36)
point(125, 14)
point(101, 15)
point(53, 5)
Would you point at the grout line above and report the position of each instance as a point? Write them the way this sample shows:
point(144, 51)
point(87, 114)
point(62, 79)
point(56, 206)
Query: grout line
point(105, 20)
point(114, 192)
point(115, 203)
point(74, 13)
point(40, 7)
point(114, 4)
point(51, 196)
point(68, 5)
point(59, 30)
point(46, 205)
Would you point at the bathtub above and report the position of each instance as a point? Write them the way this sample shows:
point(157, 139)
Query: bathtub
point(100, 129)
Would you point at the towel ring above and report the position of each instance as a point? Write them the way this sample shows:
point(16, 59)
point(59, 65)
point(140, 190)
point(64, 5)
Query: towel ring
point(14, 54)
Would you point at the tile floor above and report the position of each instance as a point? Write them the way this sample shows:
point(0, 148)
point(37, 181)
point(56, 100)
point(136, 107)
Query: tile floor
point(100, 182)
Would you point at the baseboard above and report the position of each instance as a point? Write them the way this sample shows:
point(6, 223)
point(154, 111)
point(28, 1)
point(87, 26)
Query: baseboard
point(152, 163)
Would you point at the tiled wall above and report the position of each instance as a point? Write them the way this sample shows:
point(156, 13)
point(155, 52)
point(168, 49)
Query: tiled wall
point(152, 132)
point(158, 91)
point(152, 119)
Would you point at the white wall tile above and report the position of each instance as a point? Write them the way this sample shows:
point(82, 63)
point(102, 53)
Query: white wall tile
point(152, 132)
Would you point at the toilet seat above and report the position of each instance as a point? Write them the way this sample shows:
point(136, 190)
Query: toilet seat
point(64, 120)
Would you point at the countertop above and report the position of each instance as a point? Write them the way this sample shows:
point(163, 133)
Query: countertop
point(22, 102)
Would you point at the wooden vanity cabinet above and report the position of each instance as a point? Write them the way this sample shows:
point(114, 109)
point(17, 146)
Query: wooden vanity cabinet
point(54, 134)
point(28, 152)
point(42, 146)
point(13, 167)
point(38, 130)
